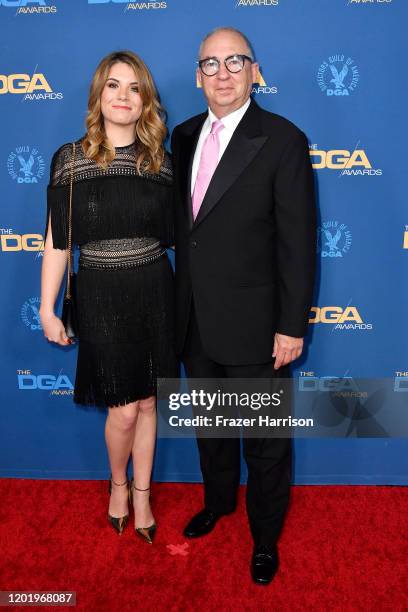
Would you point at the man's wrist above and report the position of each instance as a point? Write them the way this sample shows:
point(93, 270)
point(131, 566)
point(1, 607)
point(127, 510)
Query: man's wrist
point(281, 333)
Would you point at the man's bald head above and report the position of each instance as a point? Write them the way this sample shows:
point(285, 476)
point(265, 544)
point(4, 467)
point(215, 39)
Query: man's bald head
point(248, 47)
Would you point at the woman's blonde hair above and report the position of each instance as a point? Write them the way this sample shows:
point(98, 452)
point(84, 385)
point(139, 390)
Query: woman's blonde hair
point(150, 128)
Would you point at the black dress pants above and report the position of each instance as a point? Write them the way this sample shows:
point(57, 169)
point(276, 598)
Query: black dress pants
point(268, 459)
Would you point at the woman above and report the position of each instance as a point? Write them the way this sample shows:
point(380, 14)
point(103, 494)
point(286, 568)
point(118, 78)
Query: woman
point(121, 220)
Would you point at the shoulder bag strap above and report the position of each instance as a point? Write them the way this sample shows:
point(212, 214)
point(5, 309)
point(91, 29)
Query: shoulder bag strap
point(70, 254)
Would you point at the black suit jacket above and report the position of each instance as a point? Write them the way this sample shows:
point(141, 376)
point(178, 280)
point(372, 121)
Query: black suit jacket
point(249, 257)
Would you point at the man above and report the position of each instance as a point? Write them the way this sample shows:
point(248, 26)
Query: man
point(245, 252)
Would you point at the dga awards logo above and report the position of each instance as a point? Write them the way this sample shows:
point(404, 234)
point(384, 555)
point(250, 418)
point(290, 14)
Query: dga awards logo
point(25, 165)
point(11, 242)
point(338, 76)
point(133, 6)
point(59, 384)
point(309, 381)
point(240, 3)
point(30, 313)
point(30, 7)
point(401, 381)
point(346, 407)
point(347, 318)
point(333, 239)
point(351, 163)
point(262, 87)
point(33, 87)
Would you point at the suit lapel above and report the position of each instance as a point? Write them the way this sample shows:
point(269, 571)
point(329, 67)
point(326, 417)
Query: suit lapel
point(246, 142)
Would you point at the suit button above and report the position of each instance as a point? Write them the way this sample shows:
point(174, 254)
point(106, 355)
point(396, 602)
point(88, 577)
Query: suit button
point(193, 244)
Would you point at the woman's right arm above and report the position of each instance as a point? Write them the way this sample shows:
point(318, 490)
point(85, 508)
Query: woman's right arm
point(53, 269)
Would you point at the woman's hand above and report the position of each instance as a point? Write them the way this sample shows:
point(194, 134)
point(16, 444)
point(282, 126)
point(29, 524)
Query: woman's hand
point(53, 269)
point(54, 330)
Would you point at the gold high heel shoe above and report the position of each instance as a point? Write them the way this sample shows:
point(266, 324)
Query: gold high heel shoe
point(146, 533)
point(118, 522)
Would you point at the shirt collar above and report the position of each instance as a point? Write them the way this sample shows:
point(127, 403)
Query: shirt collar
point(230, 121)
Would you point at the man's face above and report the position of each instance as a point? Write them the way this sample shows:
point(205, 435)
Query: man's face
point(226, 91)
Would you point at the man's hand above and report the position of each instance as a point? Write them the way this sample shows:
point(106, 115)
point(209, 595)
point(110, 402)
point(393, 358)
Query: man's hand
point(286, 349)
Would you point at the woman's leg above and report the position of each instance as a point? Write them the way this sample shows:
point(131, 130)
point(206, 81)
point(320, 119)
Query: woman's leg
point(142, 453)
point(119, 435)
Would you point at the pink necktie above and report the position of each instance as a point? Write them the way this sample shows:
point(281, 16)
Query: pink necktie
point(208, 164)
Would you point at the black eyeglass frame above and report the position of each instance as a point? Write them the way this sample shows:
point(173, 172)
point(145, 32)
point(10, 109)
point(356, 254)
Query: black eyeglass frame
point(239, 55)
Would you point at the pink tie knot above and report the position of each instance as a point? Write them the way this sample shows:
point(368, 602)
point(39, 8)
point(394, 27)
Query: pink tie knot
point(216, 127)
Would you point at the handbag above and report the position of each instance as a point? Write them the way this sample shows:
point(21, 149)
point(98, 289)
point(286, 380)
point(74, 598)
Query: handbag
point(69, 306)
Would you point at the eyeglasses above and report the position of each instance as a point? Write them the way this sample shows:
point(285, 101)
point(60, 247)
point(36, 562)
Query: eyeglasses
point(234, 63)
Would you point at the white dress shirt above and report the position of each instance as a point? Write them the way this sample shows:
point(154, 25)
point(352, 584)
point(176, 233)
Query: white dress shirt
point(230, 124)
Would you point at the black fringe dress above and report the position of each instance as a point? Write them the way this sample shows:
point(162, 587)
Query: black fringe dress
point(121, 221)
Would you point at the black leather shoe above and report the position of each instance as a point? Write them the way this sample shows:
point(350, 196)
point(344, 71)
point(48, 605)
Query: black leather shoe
point(201, 524)
point(264, 564)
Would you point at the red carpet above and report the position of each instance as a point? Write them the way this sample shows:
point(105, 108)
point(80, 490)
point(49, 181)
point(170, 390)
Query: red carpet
point(343, 549)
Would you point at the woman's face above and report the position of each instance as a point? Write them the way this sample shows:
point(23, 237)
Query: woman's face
point(121, 103)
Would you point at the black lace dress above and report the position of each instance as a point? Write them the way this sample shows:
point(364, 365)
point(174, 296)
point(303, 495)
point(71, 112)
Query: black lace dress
point(121, 222)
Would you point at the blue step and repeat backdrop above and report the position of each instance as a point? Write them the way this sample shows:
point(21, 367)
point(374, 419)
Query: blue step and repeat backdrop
point(336, 68)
